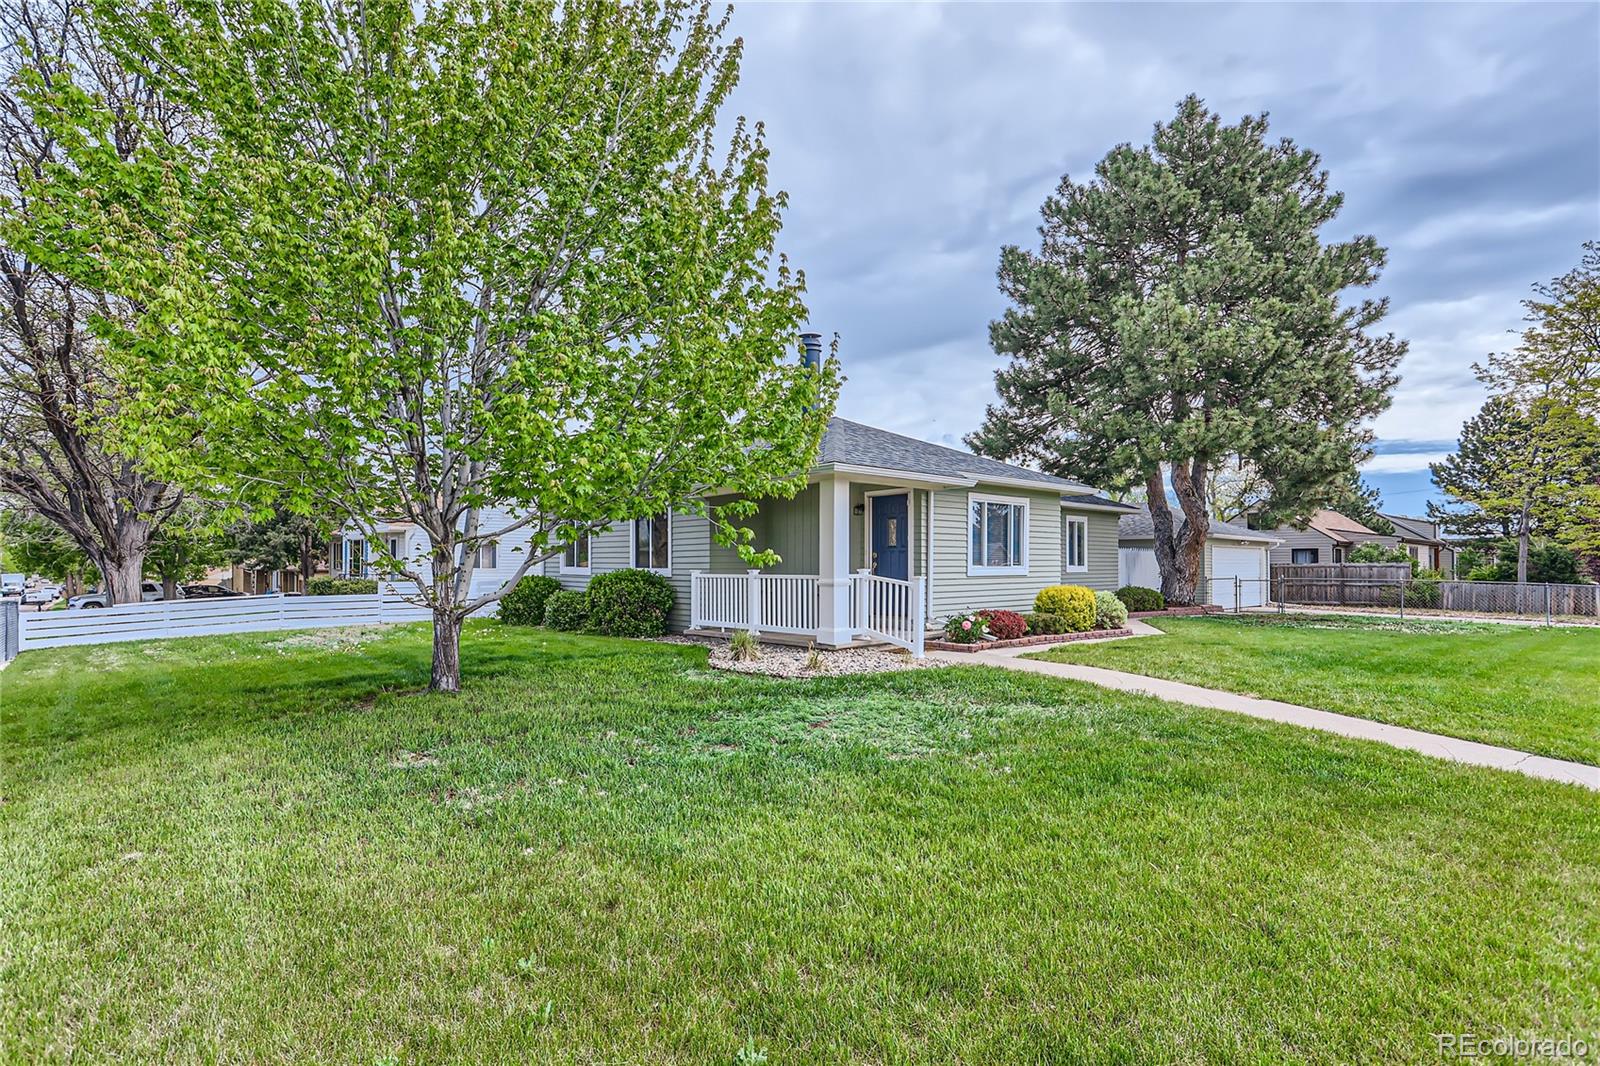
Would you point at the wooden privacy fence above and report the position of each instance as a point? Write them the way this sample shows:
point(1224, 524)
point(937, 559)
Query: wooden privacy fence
point(1391, 585)
point(196, 618)
point(1342, 584)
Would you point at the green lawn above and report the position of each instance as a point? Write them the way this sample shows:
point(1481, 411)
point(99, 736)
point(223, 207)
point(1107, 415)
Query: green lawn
point(1534, 689)
point(267, 848)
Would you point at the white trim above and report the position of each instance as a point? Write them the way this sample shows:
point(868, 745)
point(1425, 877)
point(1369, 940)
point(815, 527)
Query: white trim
point(1109, 509)
point(1066, 567)
point(889, 475)
point(633, 546)
point(578, 571)
point(1015, 570)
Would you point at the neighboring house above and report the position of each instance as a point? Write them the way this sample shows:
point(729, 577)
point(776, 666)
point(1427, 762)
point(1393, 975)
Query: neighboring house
point(358, 553)
point(890, 533)
point(1231, 552)
point(1420, 538)
point(1328, 537)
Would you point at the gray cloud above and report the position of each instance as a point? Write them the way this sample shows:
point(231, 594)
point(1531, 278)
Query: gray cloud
point(915, 141)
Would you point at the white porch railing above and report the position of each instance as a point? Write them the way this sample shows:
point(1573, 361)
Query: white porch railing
point(888, 609)
point(881, 608)
point(764, 603)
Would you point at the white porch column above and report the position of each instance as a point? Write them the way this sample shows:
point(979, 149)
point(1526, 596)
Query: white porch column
point(833, 563)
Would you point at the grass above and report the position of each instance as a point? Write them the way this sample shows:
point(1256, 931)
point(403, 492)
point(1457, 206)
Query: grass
point(1522, 687)
point(265, 848)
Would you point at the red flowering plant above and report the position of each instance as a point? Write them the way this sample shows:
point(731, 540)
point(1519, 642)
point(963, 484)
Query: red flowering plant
point(966, 628)
point(1004, 625)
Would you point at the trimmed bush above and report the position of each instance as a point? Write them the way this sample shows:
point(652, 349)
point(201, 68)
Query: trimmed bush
point(566, 610)
point(1004, 625)
point(1042, 624)
point(1073, 602)
point(1139, 598)
point(966, 628)
point(524, 605)
point(1109, 612)
point(629, 603)
point(342, 586)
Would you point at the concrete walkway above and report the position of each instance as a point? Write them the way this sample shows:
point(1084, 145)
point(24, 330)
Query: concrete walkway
point(1440, 747)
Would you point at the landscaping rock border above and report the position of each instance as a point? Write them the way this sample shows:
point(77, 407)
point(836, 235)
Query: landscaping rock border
point(1023, 642)
point(791, 661)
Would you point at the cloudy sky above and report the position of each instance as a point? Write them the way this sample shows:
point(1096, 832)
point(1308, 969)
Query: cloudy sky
point(916, 141)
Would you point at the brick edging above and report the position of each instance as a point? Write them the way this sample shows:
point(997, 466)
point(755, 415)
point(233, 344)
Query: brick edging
point(1021, 642)
point(1178, 612)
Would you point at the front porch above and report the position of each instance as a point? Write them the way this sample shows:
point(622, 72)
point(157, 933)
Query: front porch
point(853, 569)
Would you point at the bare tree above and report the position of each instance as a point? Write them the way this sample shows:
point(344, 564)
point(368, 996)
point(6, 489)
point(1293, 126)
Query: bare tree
point(53, 381)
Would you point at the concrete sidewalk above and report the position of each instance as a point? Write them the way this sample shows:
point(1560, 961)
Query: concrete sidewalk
point(1440, 747)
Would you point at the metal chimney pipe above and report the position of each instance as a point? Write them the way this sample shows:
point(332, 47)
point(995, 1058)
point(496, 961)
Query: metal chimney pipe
point(812, 355)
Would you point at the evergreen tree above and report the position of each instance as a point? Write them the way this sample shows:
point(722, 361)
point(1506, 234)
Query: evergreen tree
point(1183, 311)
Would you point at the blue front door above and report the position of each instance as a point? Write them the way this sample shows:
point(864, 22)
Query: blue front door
point(891, 537)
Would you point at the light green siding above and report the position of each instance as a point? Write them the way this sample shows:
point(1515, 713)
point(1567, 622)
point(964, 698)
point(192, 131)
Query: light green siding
point(954, 590)
point(1102, 551)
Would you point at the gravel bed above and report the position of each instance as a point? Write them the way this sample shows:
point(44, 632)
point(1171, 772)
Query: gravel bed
point(785, 660)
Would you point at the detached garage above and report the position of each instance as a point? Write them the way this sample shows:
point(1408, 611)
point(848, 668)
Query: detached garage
point(1231, 552)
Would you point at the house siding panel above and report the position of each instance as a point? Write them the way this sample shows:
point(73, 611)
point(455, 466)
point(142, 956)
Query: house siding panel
point(955, 591)
point(1102, 547)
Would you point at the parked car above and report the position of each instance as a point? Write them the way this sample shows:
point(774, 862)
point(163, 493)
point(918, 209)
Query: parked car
point(42, 595)
point(206, 592)
point(150, 592)
point(12, 584)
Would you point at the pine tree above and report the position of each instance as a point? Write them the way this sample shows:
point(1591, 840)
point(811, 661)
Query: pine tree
point(1183, 311)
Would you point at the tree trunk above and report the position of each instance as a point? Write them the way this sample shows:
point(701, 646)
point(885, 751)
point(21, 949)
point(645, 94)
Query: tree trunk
point(122, 580)
point(446, 652)
point(1180, 553)
point(1522, 543)
point(169, 588)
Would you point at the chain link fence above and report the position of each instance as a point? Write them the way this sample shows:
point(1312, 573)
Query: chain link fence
point(1421, 596)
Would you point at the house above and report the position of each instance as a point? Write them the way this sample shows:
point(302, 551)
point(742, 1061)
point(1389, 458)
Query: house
point(1231, 552)
point(1421, 540)
point(355, 552)
point(889, 534)
point(1327, 537)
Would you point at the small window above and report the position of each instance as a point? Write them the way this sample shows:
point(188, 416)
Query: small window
point(575, 560)
point(891, 532)
point(999, 535)
point(1076, 546)
point(652, 538)
point(1303, 556)
point(487, 556)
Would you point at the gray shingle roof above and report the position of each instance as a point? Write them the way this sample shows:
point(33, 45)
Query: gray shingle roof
point(1410, 529)
point(854, 444)
point(1091, 499)
point(1138, 526)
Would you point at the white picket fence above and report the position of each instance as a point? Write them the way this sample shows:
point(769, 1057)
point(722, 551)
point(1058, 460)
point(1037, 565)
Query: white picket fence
point(888, 609)
point(198, 618)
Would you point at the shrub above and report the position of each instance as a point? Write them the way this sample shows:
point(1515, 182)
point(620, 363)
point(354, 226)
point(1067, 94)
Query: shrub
point(342, 586)
point(566, 610)
point(1109, 612)
point(1044, 624)
point(966, 628)
point(1139, 598)
point(1004, 625)
point(629, 603)
point(1073, 602)
point(524, 605)
point(744, 646)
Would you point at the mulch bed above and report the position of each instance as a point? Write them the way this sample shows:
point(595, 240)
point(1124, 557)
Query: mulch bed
point(1021, 642)
point(1177, 612)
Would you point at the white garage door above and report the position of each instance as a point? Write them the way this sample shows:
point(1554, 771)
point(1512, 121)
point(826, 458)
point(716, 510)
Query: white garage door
point(1242, 563)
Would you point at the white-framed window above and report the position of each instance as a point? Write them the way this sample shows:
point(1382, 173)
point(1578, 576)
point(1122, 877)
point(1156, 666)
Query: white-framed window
point(652, 543)
point(487, 556)
point(1302, 556)
point(1075, 543)
point(997, 535)
point(575, 560)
